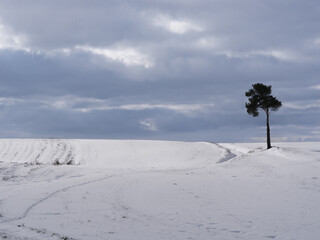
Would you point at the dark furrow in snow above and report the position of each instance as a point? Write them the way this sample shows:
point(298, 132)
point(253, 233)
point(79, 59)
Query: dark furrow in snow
point(228, 156)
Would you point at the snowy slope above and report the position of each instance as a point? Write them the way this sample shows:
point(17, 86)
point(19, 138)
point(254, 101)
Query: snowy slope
point(114, 189)
point(134, 154)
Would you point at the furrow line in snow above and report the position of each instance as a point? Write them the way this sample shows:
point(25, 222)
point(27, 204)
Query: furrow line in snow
point(227, 155)
point(231, 154)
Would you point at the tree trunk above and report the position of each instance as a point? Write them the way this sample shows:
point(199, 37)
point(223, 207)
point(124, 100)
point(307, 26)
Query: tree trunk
point(268, 131)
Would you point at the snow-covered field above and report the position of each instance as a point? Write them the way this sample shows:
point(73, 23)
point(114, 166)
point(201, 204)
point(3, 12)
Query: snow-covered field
point(152, 190)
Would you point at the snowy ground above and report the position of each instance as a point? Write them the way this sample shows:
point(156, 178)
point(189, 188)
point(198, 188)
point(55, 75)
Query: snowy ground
point(152, 190)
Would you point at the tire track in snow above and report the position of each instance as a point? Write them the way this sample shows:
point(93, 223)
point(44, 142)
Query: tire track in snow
point(47, 197)
point(51, 195)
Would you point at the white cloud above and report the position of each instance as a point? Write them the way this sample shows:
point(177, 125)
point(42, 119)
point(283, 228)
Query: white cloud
point(58, 51)
point(127, 56)
point(176, 26)
point(93, 104)
point(86, 104)
point(209, 43)
point(233, 54)
point(18, 42)
point(317, 41)
point(186, 109)
point(316, 87)
point(302, 105)
point(69, 102)
point(8, 40)
point(281, 55)
point(148, 124)
point(9, 101)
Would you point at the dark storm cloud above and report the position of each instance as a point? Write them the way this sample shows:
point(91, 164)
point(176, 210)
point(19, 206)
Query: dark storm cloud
point(157, 69)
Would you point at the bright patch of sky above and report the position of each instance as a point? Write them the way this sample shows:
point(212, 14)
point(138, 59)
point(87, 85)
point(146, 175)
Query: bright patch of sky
point(8, 40)
point(176, 26)
point(127, 56)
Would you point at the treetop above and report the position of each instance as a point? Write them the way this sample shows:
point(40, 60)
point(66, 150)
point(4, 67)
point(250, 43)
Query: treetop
point(260, 98)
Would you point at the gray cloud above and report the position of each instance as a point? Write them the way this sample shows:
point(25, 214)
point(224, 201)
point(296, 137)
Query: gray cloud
point(157, 70)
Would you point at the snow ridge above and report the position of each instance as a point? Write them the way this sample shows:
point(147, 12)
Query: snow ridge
point(109, 153)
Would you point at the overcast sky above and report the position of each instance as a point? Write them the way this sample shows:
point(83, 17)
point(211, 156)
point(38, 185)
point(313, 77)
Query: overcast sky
point(160, 69)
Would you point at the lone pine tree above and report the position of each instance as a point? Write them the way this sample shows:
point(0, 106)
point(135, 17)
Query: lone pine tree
point(260, 98)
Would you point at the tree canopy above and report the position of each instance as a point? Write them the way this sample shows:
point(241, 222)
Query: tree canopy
point(260, 98)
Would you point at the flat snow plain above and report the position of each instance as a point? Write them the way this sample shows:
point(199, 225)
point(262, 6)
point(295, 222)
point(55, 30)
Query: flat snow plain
point(152, 190)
